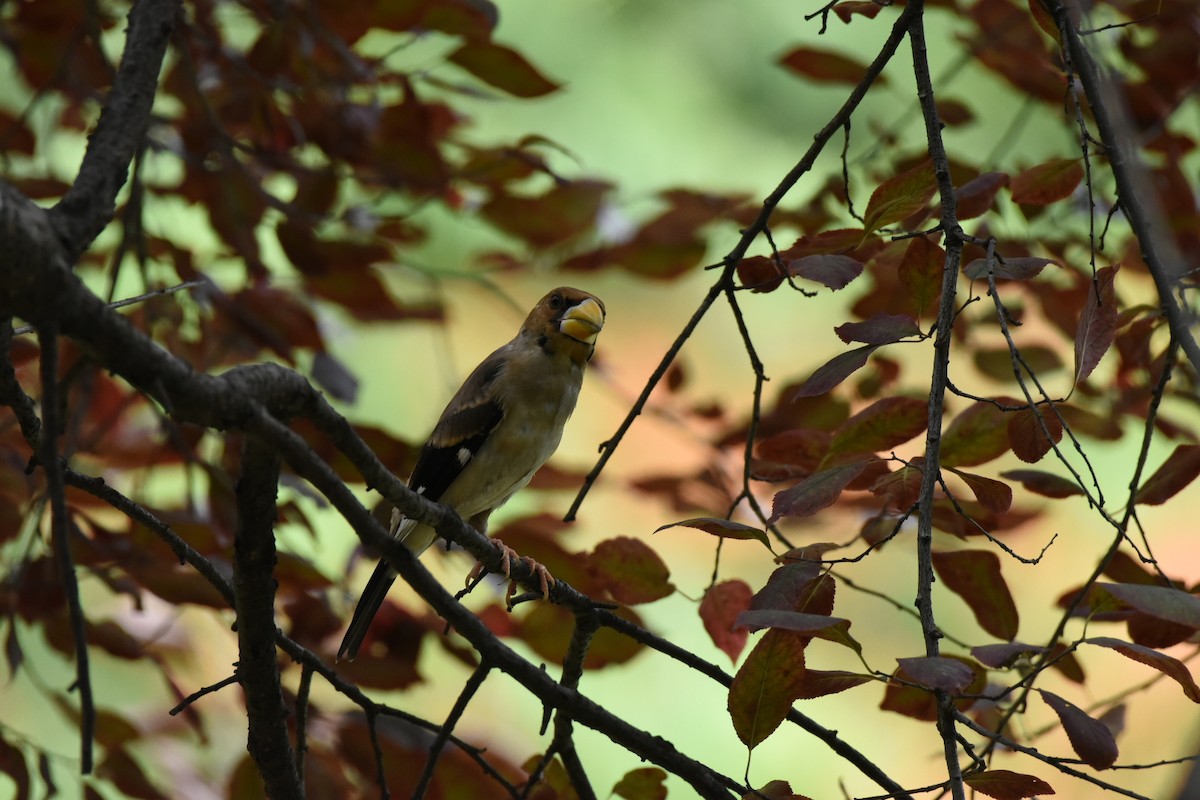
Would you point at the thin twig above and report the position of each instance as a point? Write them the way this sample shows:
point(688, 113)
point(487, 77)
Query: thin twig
point(196, 695)
point(439, 742)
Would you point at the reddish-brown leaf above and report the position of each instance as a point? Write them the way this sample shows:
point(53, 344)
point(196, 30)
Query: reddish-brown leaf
point(937, 672)
point(564, 211)
point(974, 575)
point(1161, 602)
point(900, 197)
point(975, 197)
point(1090, 738)
point(1001, 655)
point(815, 492)
point(1046, 484)
point(1027, 436)
point(1011, 269)
point(724, 528)
point(1097, 324)
point(883, 425)
point(759, 273)
point(644, 783)
point(975, 436)
point(1173, 668)
point(825, 66)
point(767, 684)
point(788, 587)
point(819, 683)
point(848, 8)
point(880, 329)
point(719, 611)
point(502, 67)
point(992, 494)
point(13, 766)
point(831, 629)
point(920, 273)
point(1048, 182)
point(630, 571)
point(1003, 784)
point(831, 270)
point(902, 487)
point(835, 370)
point(1179, 470)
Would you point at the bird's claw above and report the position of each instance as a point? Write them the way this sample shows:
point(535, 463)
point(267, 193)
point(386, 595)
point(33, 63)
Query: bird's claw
point(507, 557)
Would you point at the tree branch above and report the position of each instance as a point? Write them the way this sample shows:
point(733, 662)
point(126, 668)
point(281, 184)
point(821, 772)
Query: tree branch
point(90, 203)
point(254, 589)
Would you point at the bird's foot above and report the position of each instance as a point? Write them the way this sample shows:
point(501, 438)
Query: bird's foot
point(507, 557)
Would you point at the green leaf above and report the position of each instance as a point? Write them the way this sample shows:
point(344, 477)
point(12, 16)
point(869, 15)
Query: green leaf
point(763, 690)
point(883, 425)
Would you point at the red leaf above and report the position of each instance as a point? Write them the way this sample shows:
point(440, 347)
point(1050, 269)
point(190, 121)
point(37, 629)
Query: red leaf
point(819, 683)
point(975, 436)
point(880, 329)
point(1091, 739)
point(938, 672)
point(1097, 324)
point(1173, 668)
point(832, 629)
point(1046, 484)
point(900, 197)
point(788, 587)
point(1180, 469)
point(882, 425)
point(1010, 269)
point(719, 611)
point(557, 215)
point(974, 575)
point(1048, 182)
point(825, 66)
point(645, 783)
point(834, 371)
point(724, 528)
point(847, 9)
point(814, 492)
point(765, 687)
point(630, 571)
point(975, 197)
point(998, 656)
point(831, 270)
point(920, 272)
point(1003, 784)
point(1161, 602)
point(503, 68)
point(759, 274)
point(1026, 436)
point(991, 494)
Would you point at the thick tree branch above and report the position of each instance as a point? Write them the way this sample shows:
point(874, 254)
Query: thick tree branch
point(254, 590)
point(90, 203)
point(937, 387)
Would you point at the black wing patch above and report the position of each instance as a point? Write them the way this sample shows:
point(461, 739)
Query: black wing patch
point(437, 467)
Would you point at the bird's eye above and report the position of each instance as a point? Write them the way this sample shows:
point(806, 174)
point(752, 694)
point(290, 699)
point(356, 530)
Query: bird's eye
point(556, 301)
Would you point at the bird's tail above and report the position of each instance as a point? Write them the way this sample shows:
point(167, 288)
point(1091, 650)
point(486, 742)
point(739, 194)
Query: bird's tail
point(373, 594)
point(368, 605)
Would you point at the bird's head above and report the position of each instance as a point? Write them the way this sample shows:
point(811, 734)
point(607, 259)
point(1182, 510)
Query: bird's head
point(566, 317)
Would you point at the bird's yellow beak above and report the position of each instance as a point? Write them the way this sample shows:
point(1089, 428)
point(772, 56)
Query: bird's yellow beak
point(583, 321)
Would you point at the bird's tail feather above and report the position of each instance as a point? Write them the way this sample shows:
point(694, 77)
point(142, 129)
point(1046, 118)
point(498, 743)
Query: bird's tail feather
point(364, 612)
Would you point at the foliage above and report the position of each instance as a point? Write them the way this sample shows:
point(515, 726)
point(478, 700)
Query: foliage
point(323, 145)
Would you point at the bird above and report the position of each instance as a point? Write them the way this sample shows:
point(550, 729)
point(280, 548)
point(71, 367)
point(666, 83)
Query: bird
point(497, 430)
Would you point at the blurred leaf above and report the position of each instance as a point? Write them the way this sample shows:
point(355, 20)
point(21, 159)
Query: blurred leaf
point(937, 672)
point(1003, 784)
point(883, 425)
point(646, 783)
point(1090, 738)
point(559, 214)
point(974, 436)
point(847, 9)
point(976, 196)
point(724, 528)
point(1173, 668)
point(767, 684)
point(1161, 602)
point(1010, 269)
point(630, 571)
point(992, 494)
point(1046, 183)
point(13, 766)
point(920, 273)
point(1046, 484)
point(503, 68)
point(1098, 323)
point(1002, 655)
point(975, 576)
point(825, 66)
point(719, 610)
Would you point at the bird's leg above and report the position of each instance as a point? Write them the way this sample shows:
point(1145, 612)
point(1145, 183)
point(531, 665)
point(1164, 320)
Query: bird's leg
point(507, 557)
